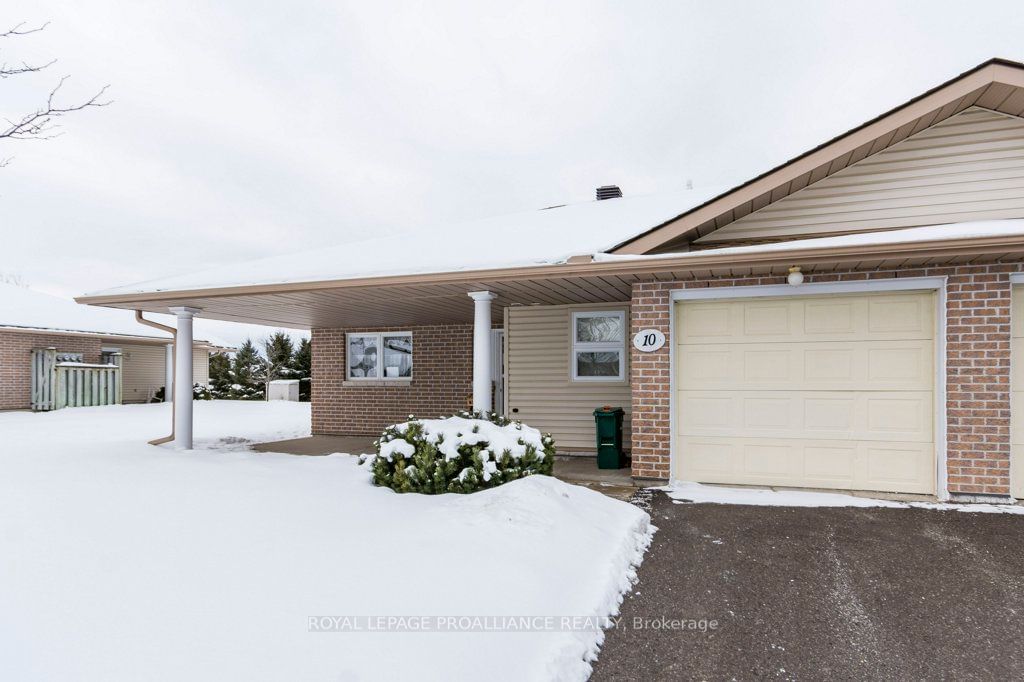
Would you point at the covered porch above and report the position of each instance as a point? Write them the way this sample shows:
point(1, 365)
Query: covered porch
point(457, 312)
point(455, 330)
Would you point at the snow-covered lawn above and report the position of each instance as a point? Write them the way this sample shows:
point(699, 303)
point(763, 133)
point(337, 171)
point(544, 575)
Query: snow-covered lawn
point(123, 561)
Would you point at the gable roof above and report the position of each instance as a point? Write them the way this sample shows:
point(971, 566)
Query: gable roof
point(997, 84)
point(967, 167)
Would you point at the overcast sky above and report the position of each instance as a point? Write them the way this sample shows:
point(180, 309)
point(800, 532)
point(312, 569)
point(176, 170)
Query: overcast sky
point(245, 129)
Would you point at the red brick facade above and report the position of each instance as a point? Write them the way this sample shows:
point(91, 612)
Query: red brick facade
point(442, 381)
point(977, 371)
point(16, 367)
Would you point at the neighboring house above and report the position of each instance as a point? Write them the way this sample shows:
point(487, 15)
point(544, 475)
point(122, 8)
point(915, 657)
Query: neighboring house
point(843, 321)
point(31, 320)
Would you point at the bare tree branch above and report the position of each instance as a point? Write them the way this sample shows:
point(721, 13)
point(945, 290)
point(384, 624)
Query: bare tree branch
point(41, 123)
point(19, 31)
point(8, 71)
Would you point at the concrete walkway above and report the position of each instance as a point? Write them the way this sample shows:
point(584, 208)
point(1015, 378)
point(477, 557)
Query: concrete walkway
point(319, 445)
point(816, 593)
point(583, 471)
point(572, 469)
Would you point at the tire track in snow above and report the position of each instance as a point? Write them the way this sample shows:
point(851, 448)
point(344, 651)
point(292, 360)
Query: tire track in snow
point(866, 656)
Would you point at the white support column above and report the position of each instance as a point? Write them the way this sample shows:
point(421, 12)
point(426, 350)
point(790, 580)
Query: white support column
point(168, 372)
point(482, 349)
point(183, 378)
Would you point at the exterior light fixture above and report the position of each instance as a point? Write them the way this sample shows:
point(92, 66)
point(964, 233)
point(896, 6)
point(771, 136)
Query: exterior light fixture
point(795, 277)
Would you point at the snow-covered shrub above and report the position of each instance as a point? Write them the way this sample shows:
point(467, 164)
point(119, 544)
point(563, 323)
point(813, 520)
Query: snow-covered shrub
point(201, 392)
point(459, 454)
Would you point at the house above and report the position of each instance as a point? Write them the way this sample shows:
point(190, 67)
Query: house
point(847, 320)
point(30, 320)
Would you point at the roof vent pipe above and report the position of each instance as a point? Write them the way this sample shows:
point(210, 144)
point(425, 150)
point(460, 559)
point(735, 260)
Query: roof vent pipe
point(609, 192)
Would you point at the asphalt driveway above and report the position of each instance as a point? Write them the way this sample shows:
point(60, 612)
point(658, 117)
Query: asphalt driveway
point(812, 593)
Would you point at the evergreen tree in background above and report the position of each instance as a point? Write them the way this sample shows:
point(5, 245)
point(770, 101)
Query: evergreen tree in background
point(221, 376)
point(245, 376)
point(303, 363)
point(304, 370)
point(250, 373)
point(280, 352)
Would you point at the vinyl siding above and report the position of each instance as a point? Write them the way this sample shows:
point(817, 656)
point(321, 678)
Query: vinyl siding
point(200, 366)
point(968, 167)
point(144, 370)
point(539, 383)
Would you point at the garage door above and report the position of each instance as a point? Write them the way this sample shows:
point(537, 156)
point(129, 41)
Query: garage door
point(1017, 394)
point(819, 392)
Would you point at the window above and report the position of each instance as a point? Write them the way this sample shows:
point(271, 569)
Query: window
point(599, 346)
point(379, 355)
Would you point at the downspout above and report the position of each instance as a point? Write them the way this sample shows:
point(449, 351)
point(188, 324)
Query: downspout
point(174, 338)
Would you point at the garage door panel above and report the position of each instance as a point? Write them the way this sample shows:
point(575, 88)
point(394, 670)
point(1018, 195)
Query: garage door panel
point(877, 317)
point(821, 392)
point(899, 466)
point(854, 365)
point(768, 459)
point(711, 459)
point(831, 464)
point(848, 465)
point(837, 415)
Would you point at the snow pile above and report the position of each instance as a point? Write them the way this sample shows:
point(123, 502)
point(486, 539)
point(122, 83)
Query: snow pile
point(123, 561)
point(24, 308)
point(689, 492)
point(397, 447)
point(452, 433)
point(28, 309)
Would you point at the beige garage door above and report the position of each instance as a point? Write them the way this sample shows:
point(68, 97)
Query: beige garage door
point(818, 392)
point(1017, 395)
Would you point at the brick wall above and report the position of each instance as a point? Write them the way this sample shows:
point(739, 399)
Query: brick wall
point(977, 371)
point(442, 381)
point(16, 362)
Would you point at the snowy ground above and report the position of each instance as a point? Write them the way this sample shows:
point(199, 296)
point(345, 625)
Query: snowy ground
point(122, 561)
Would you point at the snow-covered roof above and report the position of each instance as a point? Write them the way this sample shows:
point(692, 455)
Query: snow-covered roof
point(909, 235)
point(544, 236)
point(22, 308)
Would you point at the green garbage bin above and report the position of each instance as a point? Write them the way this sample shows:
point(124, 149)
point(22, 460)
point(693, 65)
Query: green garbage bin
point(608, 422)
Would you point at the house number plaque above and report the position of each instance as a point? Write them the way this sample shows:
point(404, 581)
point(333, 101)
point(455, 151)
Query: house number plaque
point(648, 340)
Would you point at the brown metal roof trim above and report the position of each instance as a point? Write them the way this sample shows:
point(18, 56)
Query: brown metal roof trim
point(695, 260)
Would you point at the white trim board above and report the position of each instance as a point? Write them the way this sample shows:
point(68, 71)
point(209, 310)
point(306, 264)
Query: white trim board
point(937, 284)
point(812, 289)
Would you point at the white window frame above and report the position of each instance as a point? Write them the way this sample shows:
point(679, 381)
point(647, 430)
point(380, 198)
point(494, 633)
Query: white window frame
point(598, 347)
point(379, 336)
